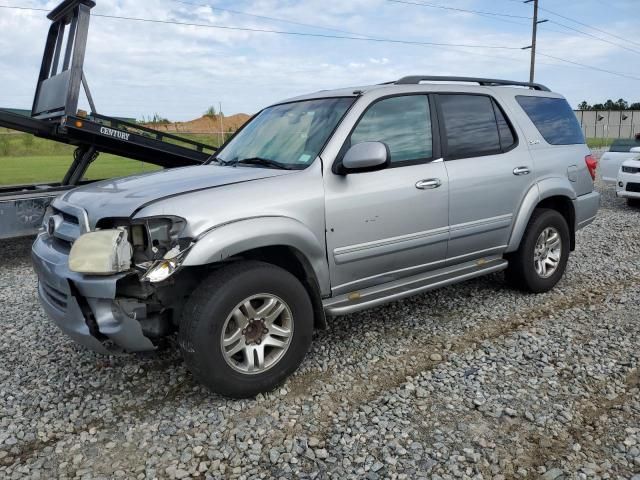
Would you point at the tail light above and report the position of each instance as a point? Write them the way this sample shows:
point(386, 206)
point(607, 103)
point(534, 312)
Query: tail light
point(592, 165)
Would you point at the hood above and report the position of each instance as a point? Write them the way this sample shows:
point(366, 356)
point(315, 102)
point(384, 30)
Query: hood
point(121, 197)
point(631, 163)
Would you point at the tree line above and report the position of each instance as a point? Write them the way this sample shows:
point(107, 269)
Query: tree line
point(621, 104)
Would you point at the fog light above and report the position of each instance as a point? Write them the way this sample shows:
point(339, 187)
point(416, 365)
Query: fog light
point(620, 184)
point(104, 252)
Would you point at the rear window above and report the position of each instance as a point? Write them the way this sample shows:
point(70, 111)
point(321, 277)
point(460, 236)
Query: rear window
point(553, 118)
point(624, 145)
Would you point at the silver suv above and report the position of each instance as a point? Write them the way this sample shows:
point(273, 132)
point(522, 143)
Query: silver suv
point(322, 205)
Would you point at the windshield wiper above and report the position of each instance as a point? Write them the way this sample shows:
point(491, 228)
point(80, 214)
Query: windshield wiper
point(263, 162)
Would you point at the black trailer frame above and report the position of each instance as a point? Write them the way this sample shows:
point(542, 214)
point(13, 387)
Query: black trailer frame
point(55, 116)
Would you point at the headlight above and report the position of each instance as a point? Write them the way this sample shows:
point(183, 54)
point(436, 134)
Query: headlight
point(104, 252)
point(160, 270)
point(156, 243)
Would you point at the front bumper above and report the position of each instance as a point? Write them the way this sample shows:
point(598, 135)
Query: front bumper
point(75, 301)
point(628, 185)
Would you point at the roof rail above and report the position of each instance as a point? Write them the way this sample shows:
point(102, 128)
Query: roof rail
point(486, 82)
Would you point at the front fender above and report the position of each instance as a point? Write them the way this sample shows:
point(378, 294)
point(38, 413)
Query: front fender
point(227, 240)
point(549, 187)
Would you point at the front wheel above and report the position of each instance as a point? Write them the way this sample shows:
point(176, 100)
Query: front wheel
point(541, 260)
point(246, 328)
point(633, 202)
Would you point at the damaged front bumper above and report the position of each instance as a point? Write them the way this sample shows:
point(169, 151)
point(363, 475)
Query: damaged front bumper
point(85, 307)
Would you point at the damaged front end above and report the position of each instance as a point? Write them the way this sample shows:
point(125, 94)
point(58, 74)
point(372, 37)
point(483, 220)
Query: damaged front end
point(112, 289)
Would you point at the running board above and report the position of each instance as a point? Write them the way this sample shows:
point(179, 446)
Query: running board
point(406, 287)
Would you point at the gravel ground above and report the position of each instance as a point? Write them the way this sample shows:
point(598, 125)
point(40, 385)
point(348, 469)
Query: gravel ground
point(471, 381)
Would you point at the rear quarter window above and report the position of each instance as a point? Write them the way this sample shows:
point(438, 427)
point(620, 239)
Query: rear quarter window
point(553, 118)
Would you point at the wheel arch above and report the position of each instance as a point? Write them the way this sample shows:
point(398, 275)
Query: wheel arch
point(280, 241)
point(554, 193)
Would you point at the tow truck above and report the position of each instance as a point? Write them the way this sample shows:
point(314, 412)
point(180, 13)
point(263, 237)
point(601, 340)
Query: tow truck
point(55, 116)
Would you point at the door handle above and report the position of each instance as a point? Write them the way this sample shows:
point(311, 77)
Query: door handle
point(428, 184)
point(521, 171)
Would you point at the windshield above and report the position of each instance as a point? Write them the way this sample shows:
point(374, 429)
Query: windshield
point(624, 145)
point(290, 135)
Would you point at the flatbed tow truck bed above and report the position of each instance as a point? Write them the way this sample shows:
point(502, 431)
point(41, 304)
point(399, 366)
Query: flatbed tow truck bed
point(55, 117)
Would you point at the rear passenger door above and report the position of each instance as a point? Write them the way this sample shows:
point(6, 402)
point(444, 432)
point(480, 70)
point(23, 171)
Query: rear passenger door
point(489, 174)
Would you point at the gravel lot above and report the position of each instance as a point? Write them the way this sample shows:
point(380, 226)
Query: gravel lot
point(471, 381)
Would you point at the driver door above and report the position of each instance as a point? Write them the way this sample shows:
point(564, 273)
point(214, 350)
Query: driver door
point(388, 224)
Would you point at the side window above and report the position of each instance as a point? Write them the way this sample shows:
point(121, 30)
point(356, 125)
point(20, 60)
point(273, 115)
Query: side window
point(553, 118)
point(507, 138)
point(470, 125)
point(403, 123)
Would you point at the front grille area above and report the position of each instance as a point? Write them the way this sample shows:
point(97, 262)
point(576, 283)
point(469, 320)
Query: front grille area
point(630, 170)
point(633, 187)
point(55, 296)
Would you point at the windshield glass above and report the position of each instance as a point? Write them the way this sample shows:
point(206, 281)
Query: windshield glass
point(291, 135)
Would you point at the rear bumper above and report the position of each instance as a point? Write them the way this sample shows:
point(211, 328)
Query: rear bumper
point(586, 208)
point(74, 301)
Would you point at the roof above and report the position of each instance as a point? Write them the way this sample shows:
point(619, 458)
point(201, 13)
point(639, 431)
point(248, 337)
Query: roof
point(464, 83)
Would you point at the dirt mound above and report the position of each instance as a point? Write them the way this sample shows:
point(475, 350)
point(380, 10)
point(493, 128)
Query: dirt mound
point(206, 124)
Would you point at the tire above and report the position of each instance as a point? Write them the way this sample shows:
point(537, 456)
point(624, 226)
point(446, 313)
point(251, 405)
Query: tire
point(217, 311)
point(633, 202)
point(523, 272)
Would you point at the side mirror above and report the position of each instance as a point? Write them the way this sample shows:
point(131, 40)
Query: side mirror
point(366, 157)
point(635, 150)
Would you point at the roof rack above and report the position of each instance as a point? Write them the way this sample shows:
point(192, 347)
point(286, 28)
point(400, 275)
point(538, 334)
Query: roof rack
point(485, 82)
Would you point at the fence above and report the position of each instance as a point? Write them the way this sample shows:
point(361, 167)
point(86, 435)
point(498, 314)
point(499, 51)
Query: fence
point(609, 123)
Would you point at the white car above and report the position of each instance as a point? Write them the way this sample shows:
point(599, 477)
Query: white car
point(612, 160)
point(628, 185)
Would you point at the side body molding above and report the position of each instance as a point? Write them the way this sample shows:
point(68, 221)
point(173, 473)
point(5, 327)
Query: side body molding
point(545, 188)
point(227, 240)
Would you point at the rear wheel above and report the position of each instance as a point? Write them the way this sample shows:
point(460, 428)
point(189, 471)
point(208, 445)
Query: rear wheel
point(541, 260)
point(246, 328)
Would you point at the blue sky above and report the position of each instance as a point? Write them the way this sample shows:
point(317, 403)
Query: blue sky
point(137, 69)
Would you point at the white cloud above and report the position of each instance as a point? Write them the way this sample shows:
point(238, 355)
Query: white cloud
point(137, 68)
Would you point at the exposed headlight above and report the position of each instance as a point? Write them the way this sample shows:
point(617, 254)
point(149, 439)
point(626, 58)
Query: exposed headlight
point(158, 247)
point(160, 270)
point(104, 252)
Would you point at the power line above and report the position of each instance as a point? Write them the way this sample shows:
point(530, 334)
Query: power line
point(498, 15)
point(455, 49)
point(520, 2)
point(284, 32)
point(593, 36)
point(340, 37)
point(589, 26)
point(442, 7)
point(264, 17)
point(591, 67)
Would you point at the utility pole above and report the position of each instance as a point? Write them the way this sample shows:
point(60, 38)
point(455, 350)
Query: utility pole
point(534, 35)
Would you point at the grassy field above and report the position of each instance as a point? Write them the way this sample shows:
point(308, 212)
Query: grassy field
point(599, 142)
point(28, 159)
point(52, 168)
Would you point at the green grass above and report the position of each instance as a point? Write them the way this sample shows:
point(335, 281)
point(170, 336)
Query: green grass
point(27, 159)
point(52, 168)
point(599, 142)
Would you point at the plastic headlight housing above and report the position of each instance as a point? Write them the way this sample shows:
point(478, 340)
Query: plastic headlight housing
point(104, 252)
